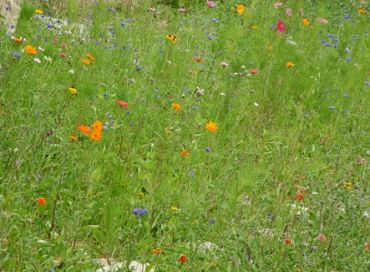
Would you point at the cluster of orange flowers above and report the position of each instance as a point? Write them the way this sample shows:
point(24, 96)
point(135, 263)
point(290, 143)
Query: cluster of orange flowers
point(94, 132)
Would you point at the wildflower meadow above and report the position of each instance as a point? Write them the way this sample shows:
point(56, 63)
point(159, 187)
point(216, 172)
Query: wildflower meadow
point(164, 136)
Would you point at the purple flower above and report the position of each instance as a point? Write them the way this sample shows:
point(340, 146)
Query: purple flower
point(139, 211)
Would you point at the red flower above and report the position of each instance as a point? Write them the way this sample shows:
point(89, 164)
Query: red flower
point(288, 241)
point(183, 259)
point(41, 201)
point(299, 196)
point(280, 26)
point(122, 103)
point(253, 71)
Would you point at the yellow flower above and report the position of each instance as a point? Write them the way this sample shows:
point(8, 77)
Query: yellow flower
point(211, 126)
point(141, 194)
point(175, 209)
point(306, 22)
point(254, 27)
point(240, 9)
point(290, 64)
point(176, 106)
point(72, 90)
point(348, 186)
point(73, 138)
point(39, 11)
point(361, 11)
point(171, 37)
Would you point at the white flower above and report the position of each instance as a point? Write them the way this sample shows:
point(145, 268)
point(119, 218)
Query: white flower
point(37, 60)
point(71, 71)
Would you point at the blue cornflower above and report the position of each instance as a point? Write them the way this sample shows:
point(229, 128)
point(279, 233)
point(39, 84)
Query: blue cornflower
point(16, 55)
point(348, 59)
point(215, 20)
point(139, 211)
point(212, 221)
point(208, 149)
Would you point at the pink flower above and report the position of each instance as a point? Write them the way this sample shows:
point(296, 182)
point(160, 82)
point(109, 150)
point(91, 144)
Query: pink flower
point(181, 10)
point(301, 12)
point(122, 104)
point(321, 237)
point(211, 3)
point(322, 21)
point(278, 5)
point(289, 12)
point(280, 26)
point(63, 45)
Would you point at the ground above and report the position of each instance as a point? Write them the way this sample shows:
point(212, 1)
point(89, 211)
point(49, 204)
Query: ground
point(226, 137)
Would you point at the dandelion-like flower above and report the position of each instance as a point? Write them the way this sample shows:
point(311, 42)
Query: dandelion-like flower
point(29, 49)
point(176, 106)
point(211, 126)
point(240, 9)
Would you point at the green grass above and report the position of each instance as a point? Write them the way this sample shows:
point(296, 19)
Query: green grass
point(280, 131)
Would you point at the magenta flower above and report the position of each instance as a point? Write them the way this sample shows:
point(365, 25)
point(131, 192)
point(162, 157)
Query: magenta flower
point(280, 26)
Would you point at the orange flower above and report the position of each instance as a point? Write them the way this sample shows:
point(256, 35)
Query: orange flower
point(157, 250)
point(211, 126)
point(240, 9)
point(84, 129)
point(97, 126)
point(361, 11)
point(29, 49)
point(184, 153)
point(41, 201)
point(198, 59)
point(73, 138)
point(86, 61)
point(299, 196)
point(306, 22)
point(176, 106)
point(96, 136)
point(290, 64)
